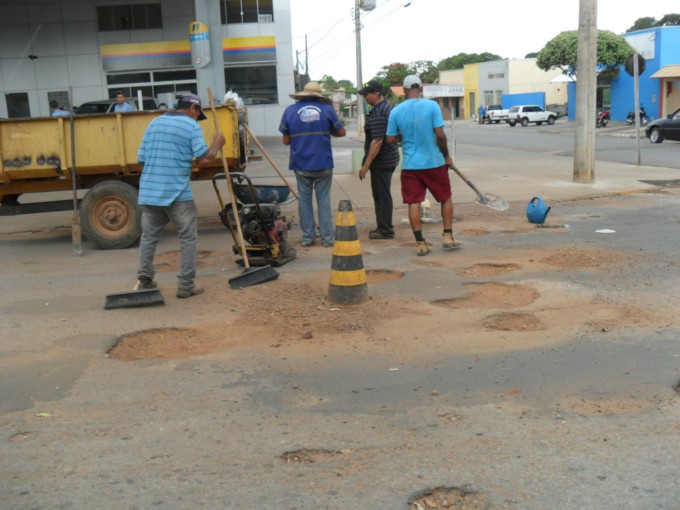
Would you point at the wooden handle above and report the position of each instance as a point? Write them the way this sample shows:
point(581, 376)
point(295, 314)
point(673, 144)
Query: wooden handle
point(234, 207)
point(257, 142)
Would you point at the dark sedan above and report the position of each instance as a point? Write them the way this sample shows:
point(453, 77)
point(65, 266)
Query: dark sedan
point(664, 129)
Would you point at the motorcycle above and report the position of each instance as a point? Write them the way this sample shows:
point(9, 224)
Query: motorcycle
point(602, 119)
point(644, 120)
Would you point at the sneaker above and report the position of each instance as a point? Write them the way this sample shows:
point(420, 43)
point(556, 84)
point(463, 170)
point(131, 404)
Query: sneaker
point(307, 244)
point(145, 284)
point(423, 248)
point(326, 244)
point(187, 293)
point(376, 234)
point(448, 242)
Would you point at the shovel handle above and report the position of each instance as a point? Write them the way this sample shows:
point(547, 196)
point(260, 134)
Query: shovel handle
point(259, 145)
point(467, 181)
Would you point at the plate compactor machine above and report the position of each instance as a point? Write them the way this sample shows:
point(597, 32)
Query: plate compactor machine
point(264, 229)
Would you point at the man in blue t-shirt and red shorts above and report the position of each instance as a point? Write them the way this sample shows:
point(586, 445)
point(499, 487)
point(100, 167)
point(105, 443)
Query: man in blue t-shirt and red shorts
point(419, 125)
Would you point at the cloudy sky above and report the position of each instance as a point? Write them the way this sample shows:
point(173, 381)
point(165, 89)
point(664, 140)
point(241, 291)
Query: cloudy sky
point(409, 30)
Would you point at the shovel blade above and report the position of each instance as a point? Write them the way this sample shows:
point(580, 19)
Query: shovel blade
point(492, 201)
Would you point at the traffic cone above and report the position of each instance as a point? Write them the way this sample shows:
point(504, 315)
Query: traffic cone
point(348, 278)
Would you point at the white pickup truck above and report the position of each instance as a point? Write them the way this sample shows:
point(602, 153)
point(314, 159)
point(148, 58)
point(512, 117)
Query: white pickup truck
point(530, 113)
point(495, 113)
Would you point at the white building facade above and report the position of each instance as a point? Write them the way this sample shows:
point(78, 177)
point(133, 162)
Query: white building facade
point(153, 48)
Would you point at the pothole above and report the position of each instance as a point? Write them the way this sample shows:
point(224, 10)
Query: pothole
point(513, 321)
point(305, 456)
point(448, 498)
point(382, 275)
point(489, 269)
point(163, 343)
point(492, 295)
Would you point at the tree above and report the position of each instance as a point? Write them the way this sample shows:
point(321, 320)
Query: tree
point(328, 83)
point(426, 69)
point(347, 85)
point(649, 22)
point(531, 55)
point(561, 53)
point(394, 74)
point(669, 20)
point(642, 23)
point(458, 61)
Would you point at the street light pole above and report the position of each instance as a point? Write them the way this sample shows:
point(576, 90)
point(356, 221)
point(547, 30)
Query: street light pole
point(360, 81)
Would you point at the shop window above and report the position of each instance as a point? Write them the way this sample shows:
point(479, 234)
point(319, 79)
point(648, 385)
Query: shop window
point(60, 97)
point(129, 17)
point(246, 11)
point(17, 105)
point(253, 84)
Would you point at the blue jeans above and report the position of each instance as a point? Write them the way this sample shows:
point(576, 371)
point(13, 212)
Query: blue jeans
point(319, 182)
point(154, 219)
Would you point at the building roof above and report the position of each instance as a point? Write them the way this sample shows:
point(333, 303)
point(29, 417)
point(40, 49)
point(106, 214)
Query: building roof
point(671, 71)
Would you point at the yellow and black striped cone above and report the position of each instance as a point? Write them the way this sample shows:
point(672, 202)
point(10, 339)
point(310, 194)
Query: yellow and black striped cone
point(348, 277)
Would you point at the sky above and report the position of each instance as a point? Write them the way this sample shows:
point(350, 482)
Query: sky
point(409, 30)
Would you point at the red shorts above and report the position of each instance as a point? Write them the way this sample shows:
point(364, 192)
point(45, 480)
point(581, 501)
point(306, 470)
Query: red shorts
point(414, 184)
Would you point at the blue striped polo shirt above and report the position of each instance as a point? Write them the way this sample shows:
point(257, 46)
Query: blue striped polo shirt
point(169, 145)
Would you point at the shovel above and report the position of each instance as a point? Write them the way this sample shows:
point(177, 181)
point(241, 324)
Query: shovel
point(486, 199)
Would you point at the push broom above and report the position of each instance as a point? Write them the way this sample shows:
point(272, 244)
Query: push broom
point(250, 276)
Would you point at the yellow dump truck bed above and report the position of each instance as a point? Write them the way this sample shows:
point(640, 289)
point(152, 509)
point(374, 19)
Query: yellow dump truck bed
point(36, 153)
point(37, 156)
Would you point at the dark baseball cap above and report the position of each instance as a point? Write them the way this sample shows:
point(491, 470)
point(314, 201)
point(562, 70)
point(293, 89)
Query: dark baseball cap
point(371, 86)
point(194, 99)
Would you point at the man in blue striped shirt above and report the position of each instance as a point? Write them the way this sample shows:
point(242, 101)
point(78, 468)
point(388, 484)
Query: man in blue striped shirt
point(170, 144)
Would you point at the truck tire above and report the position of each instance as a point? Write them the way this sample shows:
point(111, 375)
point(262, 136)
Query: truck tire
point(110, 216)
point(525, 122)
point(551, 120)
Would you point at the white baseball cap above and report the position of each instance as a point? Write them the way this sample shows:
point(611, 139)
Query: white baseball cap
point(412, 81)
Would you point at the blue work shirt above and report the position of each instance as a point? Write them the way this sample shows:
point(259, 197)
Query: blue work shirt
point(309, 124)
point(415, 120)
point(169, 145)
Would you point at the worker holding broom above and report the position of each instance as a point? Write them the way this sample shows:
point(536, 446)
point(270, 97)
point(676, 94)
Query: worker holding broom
point(170, 144)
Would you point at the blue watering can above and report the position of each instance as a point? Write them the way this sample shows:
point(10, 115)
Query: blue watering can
point(537, 210)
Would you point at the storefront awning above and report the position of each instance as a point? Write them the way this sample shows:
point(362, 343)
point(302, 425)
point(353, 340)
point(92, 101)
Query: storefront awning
point(671, 71)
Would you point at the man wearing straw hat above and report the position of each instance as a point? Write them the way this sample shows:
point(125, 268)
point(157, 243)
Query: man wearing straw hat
point(307, 127)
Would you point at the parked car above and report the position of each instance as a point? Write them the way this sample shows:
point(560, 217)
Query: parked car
point(496, 113)
point(525, 114)
point(668, 128)
point(107, 105)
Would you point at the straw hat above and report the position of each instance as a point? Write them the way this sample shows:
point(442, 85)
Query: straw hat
point(312, 89)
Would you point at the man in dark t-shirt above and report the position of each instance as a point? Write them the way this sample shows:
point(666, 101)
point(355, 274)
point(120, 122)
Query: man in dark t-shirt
point(380, 158)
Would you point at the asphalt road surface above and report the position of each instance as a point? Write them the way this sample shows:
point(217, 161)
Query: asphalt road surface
point(534, 368)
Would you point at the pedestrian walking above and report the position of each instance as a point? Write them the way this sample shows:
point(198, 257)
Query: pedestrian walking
point(419, 125)
point(380, 158)
point(307, 127)
point(482, 113)
point(169, 146)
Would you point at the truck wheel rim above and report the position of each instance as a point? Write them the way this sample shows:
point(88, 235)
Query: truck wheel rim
point(111, 215)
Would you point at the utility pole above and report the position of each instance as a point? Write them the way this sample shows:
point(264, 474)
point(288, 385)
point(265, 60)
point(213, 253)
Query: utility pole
point(586, 87)
point(360, 81)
